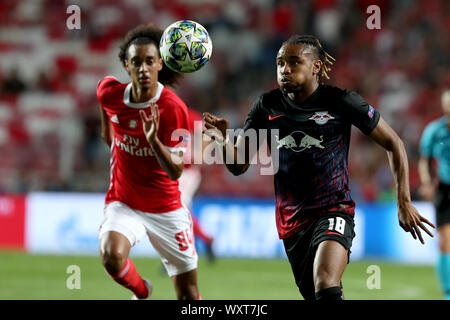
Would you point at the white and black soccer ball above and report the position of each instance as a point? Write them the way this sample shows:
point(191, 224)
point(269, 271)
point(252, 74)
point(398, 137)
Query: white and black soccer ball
point(185, 46)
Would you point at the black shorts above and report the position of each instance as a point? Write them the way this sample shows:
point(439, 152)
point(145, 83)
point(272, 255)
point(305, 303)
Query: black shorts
point(301, 247)
point(442, 204)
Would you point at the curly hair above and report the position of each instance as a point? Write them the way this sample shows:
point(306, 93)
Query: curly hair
point(145, 34)
point(321, 54)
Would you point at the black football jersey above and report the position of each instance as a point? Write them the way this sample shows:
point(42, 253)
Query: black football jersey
point(312, 143)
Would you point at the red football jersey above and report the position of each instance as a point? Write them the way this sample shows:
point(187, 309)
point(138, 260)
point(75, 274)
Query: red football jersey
point(136, 178)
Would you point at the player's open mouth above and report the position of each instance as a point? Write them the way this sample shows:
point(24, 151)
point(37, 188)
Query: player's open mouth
point(285, 80)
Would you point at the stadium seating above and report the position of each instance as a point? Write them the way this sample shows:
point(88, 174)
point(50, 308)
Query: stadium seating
point(48, 77)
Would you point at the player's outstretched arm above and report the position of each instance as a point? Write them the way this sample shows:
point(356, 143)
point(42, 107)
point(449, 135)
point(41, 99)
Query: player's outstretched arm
point(171, 163)
point(217, 130)
point(106, 127)
point(409, 218)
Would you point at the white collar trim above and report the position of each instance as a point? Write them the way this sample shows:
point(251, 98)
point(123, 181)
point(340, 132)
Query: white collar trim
point(141, 105)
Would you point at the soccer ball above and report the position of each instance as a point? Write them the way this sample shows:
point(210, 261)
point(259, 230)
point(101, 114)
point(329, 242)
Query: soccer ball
point(185, 46)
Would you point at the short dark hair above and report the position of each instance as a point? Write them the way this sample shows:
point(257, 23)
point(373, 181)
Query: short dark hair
point(319, 51)
point(145, 34)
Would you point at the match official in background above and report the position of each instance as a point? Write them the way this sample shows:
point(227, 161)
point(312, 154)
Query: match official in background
point(435, 144)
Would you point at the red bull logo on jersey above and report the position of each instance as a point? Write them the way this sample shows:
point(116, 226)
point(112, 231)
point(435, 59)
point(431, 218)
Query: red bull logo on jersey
point(321, 117)
point(305, 141)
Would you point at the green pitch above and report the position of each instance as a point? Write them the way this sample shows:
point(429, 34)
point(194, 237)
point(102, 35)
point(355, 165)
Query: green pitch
point(24, 276)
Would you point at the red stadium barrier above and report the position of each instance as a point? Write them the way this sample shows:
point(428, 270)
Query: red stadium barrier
point(12, 222)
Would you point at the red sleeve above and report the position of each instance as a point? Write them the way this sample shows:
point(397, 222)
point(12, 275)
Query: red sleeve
point(174, 125)
point(105, 90)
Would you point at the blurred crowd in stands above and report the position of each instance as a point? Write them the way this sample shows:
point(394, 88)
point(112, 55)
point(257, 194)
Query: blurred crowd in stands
point(49, 119)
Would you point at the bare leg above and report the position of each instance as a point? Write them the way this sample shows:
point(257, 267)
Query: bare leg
point(329, 265)
point(114, 251)
point(186, 285)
